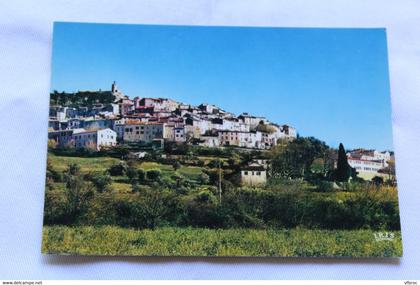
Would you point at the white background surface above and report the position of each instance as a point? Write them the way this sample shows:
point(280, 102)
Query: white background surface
point(25, 46)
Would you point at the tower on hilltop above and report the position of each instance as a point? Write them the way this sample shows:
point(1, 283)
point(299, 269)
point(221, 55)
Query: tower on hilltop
point(114, 88)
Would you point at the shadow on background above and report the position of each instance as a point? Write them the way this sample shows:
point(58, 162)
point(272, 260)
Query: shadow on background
point(77, 260)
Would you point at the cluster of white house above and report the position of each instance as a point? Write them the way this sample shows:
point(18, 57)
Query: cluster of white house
point(149, 119)
point(82, 138)
point(369, 163)
point(158, 119)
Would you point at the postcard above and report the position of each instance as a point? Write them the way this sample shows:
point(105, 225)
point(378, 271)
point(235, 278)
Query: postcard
point(220, 141)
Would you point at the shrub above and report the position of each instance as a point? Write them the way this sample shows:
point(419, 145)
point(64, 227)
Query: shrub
point(202, 211)
point(141, 175)
point(118, 169)
point(101, 210)
point(52, 174)
point(153, 174)
point(213, 163)
point(214, 176)
point(205, 196)
point(204, 178)
point(101, 181)
point(325, 186)
point(176, 165)
point(78, 195)
point(54, 207)
point(137, 188)
point(132, 174)
point(378, 180)
point(148, 210)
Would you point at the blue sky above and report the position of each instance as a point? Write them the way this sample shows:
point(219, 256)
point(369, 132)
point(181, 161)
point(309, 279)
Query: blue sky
point(329, 83)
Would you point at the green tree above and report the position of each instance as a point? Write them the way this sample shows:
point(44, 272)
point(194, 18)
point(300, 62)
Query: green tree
point(389, 171)
point(153, 174)
point(265, 128)
point(377, 180)
point(101, 182)
point(118, 169)
point(52, 174)
point(204, 179)
point(132, 174)
point(78, 194)
point(343, 170)
point(295, 159)
point(141, 175)
point(176, 165)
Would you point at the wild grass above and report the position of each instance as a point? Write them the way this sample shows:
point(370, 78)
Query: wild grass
point(190, 172)
point(119, 183)
point(112, 240)
point(87, 164)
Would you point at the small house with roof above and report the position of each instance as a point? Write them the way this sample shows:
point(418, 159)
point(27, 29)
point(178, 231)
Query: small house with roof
point(254, 174)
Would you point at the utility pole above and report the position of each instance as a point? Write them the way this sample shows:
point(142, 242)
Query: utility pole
point(220, 183)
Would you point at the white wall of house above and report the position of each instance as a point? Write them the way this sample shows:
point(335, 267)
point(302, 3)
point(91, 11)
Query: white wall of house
point(203, 125)
point(115, 109)
point(61, 115)
point(168, 132)
point(192, 131)
point(250, 139)
point(179, 134)
point(252, 121)
point(253, 177)
point(94, 139)
point(367, 169)
point(233, 125)
point(210, 141)
point(365, 165)
point(106, 138)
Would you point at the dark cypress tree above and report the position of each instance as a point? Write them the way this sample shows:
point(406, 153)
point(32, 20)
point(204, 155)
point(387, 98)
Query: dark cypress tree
point(343, 170)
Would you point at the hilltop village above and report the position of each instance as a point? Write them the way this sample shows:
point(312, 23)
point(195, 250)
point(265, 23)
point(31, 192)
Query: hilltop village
point(113, 118)
point(148, 120)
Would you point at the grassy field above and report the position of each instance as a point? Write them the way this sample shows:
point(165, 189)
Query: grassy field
point(187, 171)
point(111, 240)
point(87, 164)
point(120, 183)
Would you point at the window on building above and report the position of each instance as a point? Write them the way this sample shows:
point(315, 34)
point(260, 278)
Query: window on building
point(245, 172)
point(258, 173)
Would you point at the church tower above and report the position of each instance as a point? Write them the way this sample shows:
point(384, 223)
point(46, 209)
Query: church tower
point(114, 88)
